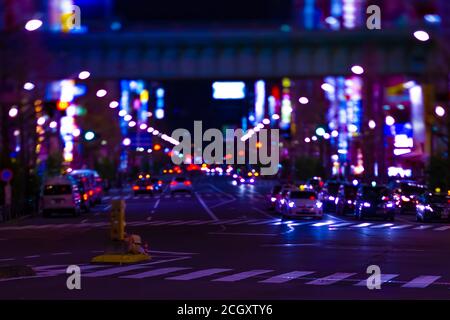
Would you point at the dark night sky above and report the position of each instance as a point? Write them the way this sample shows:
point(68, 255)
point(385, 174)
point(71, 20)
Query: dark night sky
point(204, 11)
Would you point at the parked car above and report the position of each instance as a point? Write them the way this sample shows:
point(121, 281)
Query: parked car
point(433, 207)
point(302, 204)
point(406, 193)
point(374, 201)
point(346, 199)
point(60, 195)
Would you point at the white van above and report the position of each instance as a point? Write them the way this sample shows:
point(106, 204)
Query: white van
point(60, 195)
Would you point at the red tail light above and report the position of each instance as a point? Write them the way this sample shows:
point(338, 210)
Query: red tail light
point(149, 187)
point(384, 198)
point(187, 183)
point(312, 198)
point(173, 183)
point(448, 201)
point(160, 182)
point(85, 197)
point(135, 188)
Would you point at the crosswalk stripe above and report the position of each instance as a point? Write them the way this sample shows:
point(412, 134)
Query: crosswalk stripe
point(384, 225)
point(244, 221)
point(442, 228)
point(242, 275)
point(341, 224)
point(198, 274)
point(401, 226)
point(153, 273)
point(423, 227)
point(182, 223)
point(421, 282)
point(160, 223)
point(285, 277)
point(335, 277)
point(201, 222)
point(266, 222)
point(225, 221)
point(137, 224)
point(383, 278)
point(112, 271)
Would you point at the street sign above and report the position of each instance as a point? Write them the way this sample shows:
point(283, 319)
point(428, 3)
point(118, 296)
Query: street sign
point(6, 175)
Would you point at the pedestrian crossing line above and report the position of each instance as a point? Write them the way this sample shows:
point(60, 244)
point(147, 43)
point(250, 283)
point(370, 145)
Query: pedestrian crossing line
point(200, 222)
point(199, 274)
point(113, 271)
point(384, 225)
point(335, 277)
point(242, 275)
point(182, 223)
point(401, 226)
point(225, 221)
point(383, 279)
point(138, 224)
point(442, 228)
point(244, 222)
point(266, 222)
point(160, 223)
point(341, 224)
point(154, 273)
point(421, 282)
point(285, 277)
point(423, 227)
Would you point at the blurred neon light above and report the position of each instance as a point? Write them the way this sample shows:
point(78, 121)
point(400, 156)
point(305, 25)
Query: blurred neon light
point(228, 90)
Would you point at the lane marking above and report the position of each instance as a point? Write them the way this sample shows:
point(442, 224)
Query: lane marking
point(384, 225)
point(384, 278)
point(211, 214)
point(8, 259)
point(226, 221)
point(32, 257)
point(244, 234)
point(341, 224)
point(421, 282)
point(266, 222)
point(153, 273)
point(61, 253)
point(198, 274)
point(401, 226)
point(242, 275)
point(335, 277)
point(442, 228)
point(112, 271)
point(423, 227)
point(285, 277)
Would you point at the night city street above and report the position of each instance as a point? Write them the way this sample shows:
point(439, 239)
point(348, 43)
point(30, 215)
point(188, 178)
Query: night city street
point(266, 151)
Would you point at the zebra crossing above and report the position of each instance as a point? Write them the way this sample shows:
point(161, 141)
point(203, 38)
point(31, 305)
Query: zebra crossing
point(276, 222)
point(206, 195)
point(223, 275)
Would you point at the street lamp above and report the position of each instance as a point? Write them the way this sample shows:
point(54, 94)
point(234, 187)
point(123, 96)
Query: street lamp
point(303, 100)
point(357, 69)
point(421, 35)
point(390, 120)
point(33, 25)
point(13, 112)
point(372, 124)
point(84, 75)
point(101, 93)
point(440, 111)
point(28, 86)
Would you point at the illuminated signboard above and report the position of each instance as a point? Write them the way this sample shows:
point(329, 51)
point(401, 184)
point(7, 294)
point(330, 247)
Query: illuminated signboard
point(228, 90)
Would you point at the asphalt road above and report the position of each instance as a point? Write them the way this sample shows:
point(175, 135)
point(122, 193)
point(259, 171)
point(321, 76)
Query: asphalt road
point(222, 242)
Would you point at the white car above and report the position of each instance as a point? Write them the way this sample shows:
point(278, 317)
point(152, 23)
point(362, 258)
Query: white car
point(60, 195)
point(302, 204)
point(180, 184)
point(280, 198)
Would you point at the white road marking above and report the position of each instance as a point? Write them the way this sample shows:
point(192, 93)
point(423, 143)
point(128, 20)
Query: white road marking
point(341, 224)
point(442, 228)
point(8, 259)
point(361, 225)
point(243, 222)
point(60, 253)
point(266, 222)
point(384, 278)
point(225, 221)
point(153, 273)
point(32, 257)
point(198, 274)
point(423, 227)
point(421, 282)
point(285, 277)
point(112, 271)
point(242, 275)
point(243, 234)
point(384, 225)
point(401, 226)
point(335, 277)
point(211, 214)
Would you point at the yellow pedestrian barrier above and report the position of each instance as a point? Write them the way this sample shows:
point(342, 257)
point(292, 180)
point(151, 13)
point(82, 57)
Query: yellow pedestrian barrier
point(123, 248)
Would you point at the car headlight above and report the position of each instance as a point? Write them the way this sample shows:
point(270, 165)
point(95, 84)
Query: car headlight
point(389, 205)
point(349, 201)
point(319, 204)
point(366, 204)
point(273, 199)
point(331, 198)
point(405, 199)
point(291, 204)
